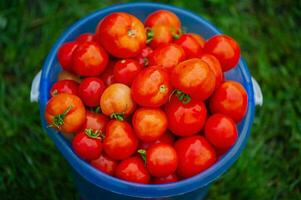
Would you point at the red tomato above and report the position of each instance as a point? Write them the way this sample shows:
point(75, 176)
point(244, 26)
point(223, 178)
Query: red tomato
point(163, 17)
point(215, 66)
point(120, 141)
point(133, 170)
point(151, 88)
point(167, 56)
point(185, 119)
point(221, 131)
point(195, 78)
point(108, 75)
point(95, 121)
point(64, 86)
point(200, 40)
point(167, 179)
point(149, 123)
point(159, 35)
point(65, 53)
point(116, 101)
point(87, 144)
point(65, 112)
point(65, 75)
point(225, 49)
point(166, 138)
point(105, 164)
point(126, 70)
point(143, 56)
point(85, 37)
point(230, 99)
point(195, 155)
point(89, 59)
point(161, 160)
point(190, 46)
point(90, 91)
point(121, 34)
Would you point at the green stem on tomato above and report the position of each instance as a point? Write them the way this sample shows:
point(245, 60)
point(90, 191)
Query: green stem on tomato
point(118, 116)
point(142, 153)
point(183, 97)
point(93, 134)
point(58, 120)
point(149, 35)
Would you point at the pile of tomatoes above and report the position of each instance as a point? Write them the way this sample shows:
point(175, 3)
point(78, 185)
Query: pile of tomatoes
point(146, 102)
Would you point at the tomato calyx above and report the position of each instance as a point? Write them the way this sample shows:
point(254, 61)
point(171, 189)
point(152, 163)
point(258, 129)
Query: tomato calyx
point(142, 153)
point(183, 97)
point(132, 33)
point(94, 134)
point(54, 93)
point(118, 116)
point(162, 88)
point(177, 34)
point(149, 35)
point(58, 120)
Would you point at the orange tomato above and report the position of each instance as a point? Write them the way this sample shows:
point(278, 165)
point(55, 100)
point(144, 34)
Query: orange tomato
point(163, 17)
point(215, 66)
point(201, 41)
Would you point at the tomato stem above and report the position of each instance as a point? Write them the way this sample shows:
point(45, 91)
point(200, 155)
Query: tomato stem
point(183, 97)
point(54, 93)
point(142, 153)
point(93, 134)
point(149, 35)
point(58, 120)
point(118, 116)
point(132, 33)
point(162, 88)
point(177, 34)
point(97, 110)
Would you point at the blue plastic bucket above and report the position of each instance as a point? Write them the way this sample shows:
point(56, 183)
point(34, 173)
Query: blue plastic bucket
point(93, 184)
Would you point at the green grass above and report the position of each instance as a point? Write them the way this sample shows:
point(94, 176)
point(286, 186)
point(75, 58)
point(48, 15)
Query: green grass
point(270, 38)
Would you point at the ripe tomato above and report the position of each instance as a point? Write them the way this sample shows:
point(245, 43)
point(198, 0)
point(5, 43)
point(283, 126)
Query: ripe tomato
point(230, 99)
point(85, 37)
point(151, 88)
point(161, 160)
point(95, 121)
point(143, 56)
point(105, 164)
point(89, 59)
point(133, 170)
point(167, 179)
point(221, 131)
point(87, 144)
point(120, 141)
point(225, 49)
point(167, 56)
point(126, 70)
point(166, 138)
point(200, 40)
point(195, 78)
point(163, 17)
point(185, 119)
point(195, 155)
point(159, 35)
point(65, 53)
point(149, 123)
point(90, 91)
point(65, 75)
point(108, 75)
point(65, 112)
point(116, 101)
point(215, 66)
point(64, 86)
point(190, 46)
point(121, 34)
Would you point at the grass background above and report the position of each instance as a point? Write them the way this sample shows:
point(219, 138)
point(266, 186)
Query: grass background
point(270, 38)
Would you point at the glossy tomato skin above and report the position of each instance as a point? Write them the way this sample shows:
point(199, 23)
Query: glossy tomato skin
point(120, 141)
point(167, 179)
point(121, 34)
point(200, 40)
point(163, 17)
point(161, 34)
point(215, 67)
point(108, 75)
point(143, 56)
point(105, 164)
point(126, 70)
point(185, 119)
point(190, 46)
point(221, 131)
point(95, 121)
point(149, 123)
point(166, 138)
point(161, 160)
point(86, 147)
point(90, 91)
point(230, 99)
point(65, 75)
point(72, 106)
point(151, 87)
point(225, 49)
point(64, 86)
point(133, 170)
point(89, 59)
point(194, 77)
point(65, 54)
point(195, 155)
point(117, 99)
point(167, 56)
point(85, 37)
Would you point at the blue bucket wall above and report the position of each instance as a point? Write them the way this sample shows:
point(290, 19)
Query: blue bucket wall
point(93, 184)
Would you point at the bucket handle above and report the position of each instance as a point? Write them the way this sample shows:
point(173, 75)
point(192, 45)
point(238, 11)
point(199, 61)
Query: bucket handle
point(257, 93)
